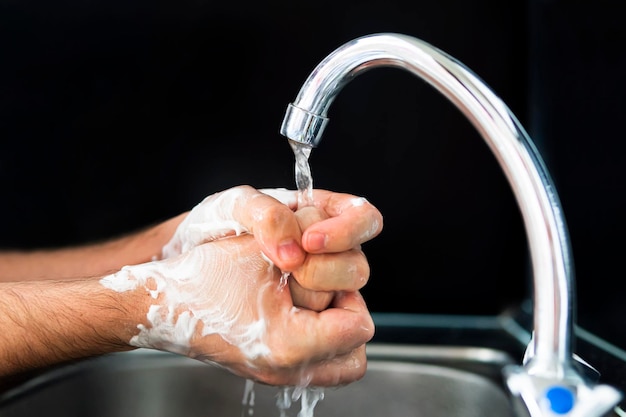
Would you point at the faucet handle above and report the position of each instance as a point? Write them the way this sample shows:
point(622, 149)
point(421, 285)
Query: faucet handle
point(541, 396)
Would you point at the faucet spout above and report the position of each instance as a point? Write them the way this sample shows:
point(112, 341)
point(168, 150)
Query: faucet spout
point(549, 354)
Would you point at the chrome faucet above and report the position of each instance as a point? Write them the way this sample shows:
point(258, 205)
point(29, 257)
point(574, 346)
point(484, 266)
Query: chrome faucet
point(548, 380)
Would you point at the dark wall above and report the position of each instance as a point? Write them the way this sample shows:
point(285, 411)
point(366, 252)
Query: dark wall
point(578, 101)
point(117, 114)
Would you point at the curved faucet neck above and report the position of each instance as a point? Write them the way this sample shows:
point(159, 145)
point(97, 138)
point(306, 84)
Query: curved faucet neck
point(305, 120)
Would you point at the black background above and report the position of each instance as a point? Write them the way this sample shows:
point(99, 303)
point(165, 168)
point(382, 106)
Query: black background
point(117, 114)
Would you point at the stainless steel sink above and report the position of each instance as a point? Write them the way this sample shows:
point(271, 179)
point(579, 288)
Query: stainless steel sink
point(401, 380)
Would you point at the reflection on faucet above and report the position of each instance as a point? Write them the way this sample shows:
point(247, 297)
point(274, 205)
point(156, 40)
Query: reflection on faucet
point(548, 382)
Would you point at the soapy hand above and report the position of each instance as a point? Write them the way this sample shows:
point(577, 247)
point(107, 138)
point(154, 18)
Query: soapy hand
point(316, 276)
point(219, 294)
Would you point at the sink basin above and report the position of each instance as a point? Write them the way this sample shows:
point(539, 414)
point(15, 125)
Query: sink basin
point(401, 380)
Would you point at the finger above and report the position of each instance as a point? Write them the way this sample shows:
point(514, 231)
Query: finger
point(352, 221)
point(311, 300)
point(309, 215)
point(340, 370)
point(345, 271)
point(319, 343)
point(329, 372)
point(273, 225)
point(303, 297)
point(341, 328)
point(332, 372)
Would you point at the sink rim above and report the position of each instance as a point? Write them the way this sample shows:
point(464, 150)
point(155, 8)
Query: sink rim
point(484, 362)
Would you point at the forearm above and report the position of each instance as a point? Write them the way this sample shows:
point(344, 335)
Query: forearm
point(88, 260)
point(50, 322)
